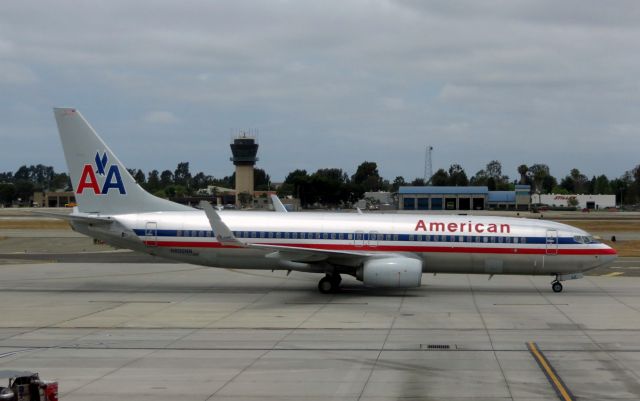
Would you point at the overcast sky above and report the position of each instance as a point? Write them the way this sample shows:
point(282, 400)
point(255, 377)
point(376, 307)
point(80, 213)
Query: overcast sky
point(327, 83)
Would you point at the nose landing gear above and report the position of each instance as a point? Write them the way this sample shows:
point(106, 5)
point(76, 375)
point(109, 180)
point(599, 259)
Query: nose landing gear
point(329, 283)
point(556, 286)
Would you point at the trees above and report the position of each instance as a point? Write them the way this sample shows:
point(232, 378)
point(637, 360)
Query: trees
point(601, 185)
point(495, 178)
point(575, 182)
point(538, 172)
point(397, 183)
point(457, 176)
point(137, 175)
point(367, 177)
point(548, 183)
point(153, 181)
point(480, 178)
point(261, 180)
point(182, 176)
point(331, 187)
point(440, 178)
point(7, 193)
point(492, 177)
point(166, 178)
point(523, 170)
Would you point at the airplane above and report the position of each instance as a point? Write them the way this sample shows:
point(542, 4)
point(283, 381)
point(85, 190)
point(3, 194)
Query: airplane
point(380, 250)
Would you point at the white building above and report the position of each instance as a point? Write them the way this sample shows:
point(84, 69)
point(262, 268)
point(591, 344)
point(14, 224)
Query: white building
point(584, 201)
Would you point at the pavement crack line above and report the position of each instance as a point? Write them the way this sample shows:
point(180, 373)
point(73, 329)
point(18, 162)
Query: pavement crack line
point(486, 329)
point(384, 343)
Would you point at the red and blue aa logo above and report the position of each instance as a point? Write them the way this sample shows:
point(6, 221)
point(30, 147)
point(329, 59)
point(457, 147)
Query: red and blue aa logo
point(89, 179)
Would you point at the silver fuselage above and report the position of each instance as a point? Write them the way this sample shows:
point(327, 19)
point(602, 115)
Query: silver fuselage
point(445, 244)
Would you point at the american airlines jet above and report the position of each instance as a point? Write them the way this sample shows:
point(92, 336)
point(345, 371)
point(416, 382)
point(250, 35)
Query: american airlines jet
point(381, 250)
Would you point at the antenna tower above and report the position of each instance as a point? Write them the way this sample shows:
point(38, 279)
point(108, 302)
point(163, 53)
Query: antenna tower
point(428, 166)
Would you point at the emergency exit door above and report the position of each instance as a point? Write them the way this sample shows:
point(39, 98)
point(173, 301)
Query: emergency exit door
point(151, 233)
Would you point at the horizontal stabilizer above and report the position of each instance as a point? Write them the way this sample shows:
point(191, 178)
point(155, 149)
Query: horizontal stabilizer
point(75, 217)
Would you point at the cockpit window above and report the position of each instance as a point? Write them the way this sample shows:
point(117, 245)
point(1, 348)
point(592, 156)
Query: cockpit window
point(583, 239)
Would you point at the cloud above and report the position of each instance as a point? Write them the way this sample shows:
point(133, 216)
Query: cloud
point(160, 117)
point(338, 81)
point(16, 74)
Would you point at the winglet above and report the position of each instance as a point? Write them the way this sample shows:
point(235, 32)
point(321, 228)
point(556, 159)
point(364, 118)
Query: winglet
point(223, 233)
point(277, 204)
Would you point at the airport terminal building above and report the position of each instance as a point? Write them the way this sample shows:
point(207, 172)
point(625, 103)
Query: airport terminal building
point(593, 202)
point(463, 198)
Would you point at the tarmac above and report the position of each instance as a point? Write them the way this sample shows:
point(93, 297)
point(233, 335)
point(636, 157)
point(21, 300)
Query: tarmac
point(110, 323)
point(164, 331)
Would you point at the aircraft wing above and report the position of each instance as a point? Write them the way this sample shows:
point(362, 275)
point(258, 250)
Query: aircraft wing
point(283, 252)
point(311, 254)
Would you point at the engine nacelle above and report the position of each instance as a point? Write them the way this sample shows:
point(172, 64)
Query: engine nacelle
point(395, 272)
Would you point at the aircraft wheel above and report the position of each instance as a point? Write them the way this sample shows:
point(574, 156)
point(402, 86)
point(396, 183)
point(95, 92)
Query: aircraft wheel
point(336, 280)
point(326, 285)
point(556, 286)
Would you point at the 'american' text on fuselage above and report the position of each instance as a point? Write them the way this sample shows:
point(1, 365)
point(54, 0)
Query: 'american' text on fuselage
point(468, 227)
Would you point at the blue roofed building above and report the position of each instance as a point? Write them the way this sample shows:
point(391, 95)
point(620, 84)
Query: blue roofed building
point(463, 198)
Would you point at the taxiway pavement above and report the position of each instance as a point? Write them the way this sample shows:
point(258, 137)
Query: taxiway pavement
point(163, 331)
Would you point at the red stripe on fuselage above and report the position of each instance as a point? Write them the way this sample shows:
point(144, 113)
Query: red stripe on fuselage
point(396, 248)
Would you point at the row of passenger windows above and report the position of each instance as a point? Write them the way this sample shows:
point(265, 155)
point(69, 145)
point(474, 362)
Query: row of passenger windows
point(371, 237)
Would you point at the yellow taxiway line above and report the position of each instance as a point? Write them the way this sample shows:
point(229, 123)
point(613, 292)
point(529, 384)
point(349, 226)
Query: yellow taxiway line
point(558, 385)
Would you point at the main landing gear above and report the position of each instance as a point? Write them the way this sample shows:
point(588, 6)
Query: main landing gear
point(329, 283)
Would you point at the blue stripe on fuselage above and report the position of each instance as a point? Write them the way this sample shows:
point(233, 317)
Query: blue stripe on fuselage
point(355, 236)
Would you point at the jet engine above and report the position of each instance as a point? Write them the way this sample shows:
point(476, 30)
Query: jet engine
point(393, 272)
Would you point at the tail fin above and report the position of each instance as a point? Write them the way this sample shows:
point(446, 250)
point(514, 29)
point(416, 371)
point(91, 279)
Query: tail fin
point(100, 181)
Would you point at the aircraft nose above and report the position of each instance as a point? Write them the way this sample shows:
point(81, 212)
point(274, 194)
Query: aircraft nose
point(608, 256)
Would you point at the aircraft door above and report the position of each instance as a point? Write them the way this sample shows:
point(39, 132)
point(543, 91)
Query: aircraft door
point(151, 233)
point(373, 239)
point(551, 242)
point(358, 238)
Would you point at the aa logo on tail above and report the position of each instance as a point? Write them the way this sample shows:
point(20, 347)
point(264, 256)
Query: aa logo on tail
point(110, 179)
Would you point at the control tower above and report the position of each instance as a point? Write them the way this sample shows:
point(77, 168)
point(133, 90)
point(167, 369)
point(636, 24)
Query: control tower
point(244, 149)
